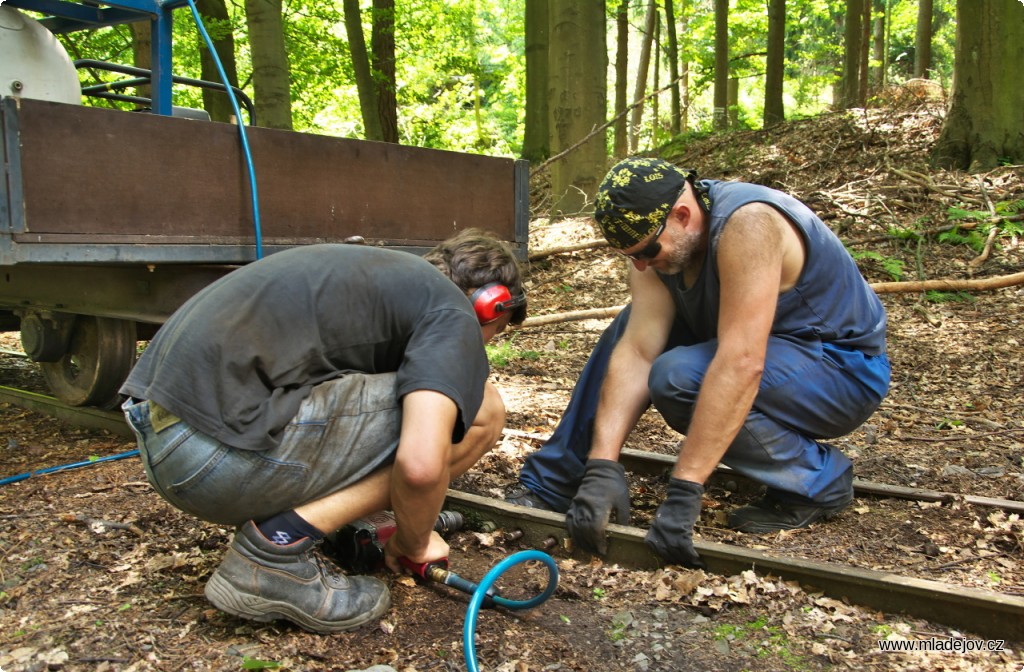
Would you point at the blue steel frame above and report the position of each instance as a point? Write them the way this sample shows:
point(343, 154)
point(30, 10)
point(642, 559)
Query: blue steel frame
point(66, 17)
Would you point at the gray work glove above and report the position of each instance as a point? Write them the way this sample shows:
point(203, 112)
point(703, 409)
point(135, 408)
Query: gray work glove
point(671, 533)
point(602, 493)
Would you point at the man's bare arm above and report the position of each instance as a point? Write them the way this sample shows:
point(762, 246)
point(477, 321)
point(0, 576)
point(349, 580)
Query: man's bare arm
point(419, 479)
point(750, 265)
point(624, 393)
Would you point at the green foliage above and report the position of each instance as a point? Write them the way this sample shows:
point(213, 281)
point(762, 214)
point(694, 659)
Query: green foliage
point(971, 237)
point(912, 235)
point(257, 664)
point(461, 64)
point(977, 236)
point(891, 265)
point(618, 632)
point(504, 353)
point(933, 296)
point(768, 639)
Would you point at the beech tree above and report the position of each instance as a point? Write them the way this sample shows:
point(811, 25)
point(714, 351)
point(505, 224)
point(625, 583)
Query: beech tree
point(985, 122)
point(923, 40)
point(368, 108)
point(621, 126)
point(577, 102)
point(774, 112)
point(271, 73)
point(218, 26)
point(721, 94)
point(382, 63)
point(536, 140)
point(640, 89)
point(852, 54)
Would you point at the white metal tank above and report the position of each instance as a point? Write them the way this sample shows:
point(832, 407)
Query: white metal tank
point(33, 64)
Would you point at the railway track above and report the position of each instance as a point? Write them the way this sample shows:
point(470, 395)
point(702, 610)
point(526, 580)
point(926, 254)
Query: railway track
point(986, 613)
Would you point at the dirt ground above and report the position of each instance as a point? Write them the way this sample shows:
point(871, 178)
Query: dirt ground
point(98, 573)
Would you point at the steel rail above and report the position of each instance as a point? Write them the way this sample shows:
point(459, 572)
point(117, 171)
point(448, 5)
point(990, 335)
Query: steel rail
point(82, 416)
point(652, 464)
point(655, 464)
point(985, 613)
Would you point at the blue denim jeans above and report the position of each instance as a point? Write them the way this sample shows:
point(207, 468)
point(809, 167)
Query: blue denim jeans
point(346, 429)
point(809, 391)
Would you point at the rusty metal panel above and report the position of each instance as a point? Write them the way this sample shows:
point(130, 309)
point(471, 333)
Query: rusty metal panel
point(105, 177)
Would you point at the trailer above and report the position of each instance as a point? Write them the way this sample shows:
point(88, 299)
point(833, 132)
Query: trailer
point(110, 220)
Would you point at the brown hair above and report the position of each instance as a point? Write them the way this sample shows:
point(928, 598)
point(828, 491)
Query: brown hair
point(473, 258)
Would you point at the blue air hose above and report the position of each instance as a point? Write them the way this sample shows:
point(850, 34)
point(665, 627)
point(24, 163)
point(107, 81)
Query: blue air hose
point(481, 593)
point(241, 128)
point(64, 467)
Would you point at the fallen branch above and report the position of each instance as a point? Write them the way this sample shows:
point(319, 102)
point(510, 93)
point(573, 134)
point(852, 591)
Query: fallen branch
point(585, 245)
point(573, 315)
point(949, 191)
point(985, 253)
point(100, 526)
point(979, 285)
point(983, 284)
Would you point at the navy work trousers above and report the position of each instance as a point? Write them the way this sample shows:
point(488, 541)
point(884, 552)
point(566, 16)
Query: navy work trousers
point(809, 391)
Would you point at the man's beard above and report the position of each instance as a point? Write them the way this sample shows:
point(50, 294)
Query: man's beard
point(687, 253)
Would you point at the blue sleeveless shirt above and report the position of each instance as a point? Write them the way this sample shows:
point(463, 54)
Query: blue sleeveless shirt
point(831, 302)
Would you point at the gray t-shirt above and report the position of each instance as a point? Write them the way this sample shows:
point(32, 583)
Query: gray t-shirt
point(238, 358)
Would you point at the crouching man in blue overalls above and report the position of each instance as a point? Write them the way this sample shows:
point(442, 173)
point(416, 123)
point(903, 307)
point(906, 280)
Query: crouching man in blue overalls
point(751, 331)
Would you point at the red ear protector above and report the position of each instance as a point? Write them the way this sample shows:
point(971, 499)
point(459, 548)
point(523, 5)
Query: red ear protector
point(494, 300)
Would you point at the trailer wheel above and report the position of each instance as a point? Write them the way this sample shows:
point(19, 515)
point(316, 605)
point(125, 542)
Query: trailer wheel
point(100, 354)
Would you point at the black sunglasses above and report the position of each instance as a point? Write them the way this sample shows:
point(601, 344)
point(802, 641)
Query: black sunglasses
point(652, 249)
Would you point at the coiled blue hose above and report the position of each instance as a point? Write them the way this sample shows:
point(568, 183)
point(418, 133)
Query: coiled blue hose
point(473, 611)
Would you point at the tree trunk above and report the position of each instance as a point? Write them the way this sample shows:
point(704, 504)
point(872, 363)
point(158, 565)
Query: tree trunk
point(640, 86)
point(656, 79)
point(720, 117)
point(684, 71)
point(536, 145)
point(382, 46)
point(271, 76)
point(578, 102)
point(774, 111)
point(621, 126)
point(865, 55)
point(361, 68)
point(734, 102)
point(851, 53)
point(878, 70)
point(218, 25)
point(923, 39)
point(985, 126)
point(142, 44)
point(673, 66)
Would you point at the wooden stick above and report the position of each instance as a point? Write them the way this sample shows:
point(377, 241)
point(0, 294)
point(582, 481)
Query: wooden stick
point(987, 251)
point(585, 245)
point(556, 318)
point(983, 284)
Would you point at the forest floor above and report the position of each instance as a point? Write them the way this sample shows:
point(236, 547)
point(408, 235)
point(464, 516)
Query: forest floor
point(98, 573)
